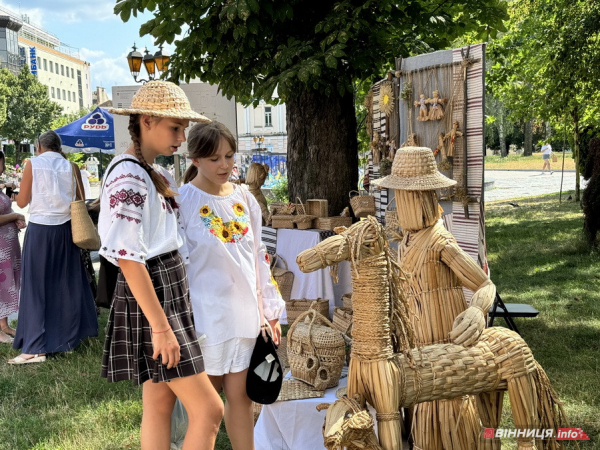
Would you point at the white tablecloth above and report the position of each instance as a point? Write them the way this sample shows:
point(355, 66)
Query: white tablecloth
point(318, 284)
point(295, 424)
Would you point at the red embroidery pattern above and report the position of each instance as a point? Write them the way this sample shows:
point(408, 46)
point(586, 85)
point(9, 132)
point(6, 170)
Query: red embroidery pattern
point(127, 197)
point(125, 175)
point(129, 218)
point(122, 252)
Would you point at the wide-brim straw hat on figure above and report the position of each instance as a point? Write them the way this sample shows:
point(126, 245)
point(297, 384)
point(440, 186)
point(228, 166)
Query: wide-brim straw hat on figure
point(414, 169)
point(161, 99)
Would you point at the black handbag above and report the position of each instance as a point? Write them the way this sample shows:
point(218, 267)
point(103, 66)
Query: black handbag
point(265, 374)
point(108, 273)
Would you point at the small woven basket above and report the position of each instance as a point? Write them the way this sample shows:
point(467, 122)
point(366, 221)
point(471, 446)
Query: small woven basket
point(362, 205)
point(316, 207)
point(391, 219)
point(295, 308)
point(302, 221)
point(283, 221)
point(347, 300)
point(342, 320)
point(283, 277)
point(316, 351)
point(329, 223)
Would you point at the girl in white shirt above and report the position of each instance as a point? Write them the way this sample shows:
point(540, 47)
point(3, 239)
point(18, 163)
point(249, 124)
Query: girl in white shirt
point(222, 227)
point(150, 336)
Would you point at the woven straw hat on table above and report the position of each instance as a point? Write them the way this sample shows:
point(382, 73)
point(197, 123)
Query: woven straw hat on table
point(161, 99)
point(414, 169)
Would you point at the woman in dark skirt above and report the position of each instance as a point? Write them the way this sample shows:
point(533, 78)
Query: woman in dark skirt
point(57, 309)
point(150, 336)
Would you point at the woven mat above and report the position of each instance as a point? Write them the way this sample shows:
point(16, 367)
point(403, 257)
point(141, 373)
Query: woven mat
point(296, 390)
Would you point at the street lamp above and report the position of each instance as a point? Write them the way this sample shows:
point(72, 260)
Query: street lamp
point(154, 64)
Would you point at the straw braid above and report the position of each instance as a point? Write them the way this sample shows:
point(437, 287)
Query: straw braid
point(158, 180)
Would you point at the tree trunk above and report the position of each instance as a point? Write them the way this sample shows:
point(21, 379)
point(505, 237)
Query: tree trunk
point(576, 152)
point(17, 153)
point(528, 147)
point(322, 148)
point(502, 137)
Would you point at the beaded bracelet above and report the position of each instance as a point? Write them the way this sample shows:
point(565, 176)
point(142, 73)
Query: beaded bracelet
point(161, 332)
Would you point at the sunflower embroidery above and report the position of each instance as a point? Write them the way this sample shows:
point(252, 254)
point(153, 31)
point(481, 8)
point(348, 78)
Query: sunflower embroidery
point(238, 209)
point(228, 232)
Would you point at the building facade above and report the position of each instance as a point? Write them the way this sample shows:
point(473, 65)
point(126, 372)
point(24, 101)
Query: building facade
point(266, 121)
point(55, 64)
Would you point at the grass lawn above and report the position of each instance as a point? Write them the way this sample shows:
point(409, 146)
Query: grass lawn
point(536, 256)
point(533, 162)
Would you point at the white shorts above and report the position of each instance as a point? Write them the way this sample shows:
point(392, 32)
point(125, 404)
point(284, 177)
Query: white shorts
point(230, 356)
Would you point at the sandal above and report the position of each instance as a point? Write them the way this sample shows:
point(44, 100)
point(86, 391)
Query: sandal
point(34, 359)
point(10, 331)
point(5, 338)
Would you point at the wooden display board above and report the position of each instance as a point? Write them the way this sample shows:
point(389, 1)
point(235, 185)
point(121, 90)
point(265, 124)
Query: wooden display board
point(458, 76)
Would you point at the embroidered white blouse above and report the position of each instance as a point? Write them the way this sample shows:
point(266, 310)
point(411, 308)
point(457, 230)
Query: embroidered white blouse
point(135, 221)
point(222, 269)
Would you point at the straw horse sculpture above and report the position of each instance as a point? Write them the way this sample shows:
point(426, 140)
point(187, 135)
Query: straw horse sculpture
point(388, 371)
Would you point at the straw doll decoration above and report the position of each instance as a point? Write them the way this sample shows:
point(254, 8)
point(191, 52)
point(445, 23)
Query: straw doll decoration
point(444, 164)
point(451, 136)
point(257, 174)
point(436, 111)
point(422, 105)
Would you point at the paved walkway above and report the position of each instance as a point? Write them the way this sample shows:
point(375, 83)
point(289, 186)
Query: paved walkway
point(510, 184)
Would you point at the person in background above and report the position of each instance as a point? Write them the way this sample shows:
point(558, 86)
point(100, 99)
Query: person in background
point(10, 259)
point(546, 154)
point(85, 178)
point(57, 310)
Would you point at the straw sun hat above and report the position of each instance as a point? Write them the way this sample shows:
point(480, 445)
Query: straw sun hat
point(161, 99)
point(414, 169)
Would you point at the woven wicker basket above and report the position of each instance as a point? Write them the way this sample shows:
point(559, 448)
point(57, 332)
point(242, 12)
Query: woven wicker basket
point(303, 221)
point(316, 351)
point(347, 300)
point(329, 223)
point(295, 308)
point(283, 277)
point(362, 205)
point(283, 221)
point(316, 207)
point(391, 218)
point(342, 320)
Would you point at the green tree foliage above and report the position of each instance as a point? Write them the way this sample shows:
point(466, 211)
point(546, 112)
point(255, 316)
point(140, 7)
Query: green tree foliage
point(312, 52)
point(547, 64)
point(29, 111)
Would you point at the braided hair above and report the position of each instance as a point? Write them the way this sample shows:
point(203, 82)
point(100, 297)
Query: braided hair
point(160, 183)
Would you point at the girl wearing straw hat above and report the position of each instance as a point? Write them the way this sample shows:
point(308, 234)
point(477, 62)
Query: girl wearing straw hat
point(150, 336)
point(438, 269)
point(232, 291)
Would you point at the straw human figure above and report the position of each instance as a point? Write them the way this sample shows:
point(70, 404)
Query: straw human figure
point(388, 371)
point(438, 269)
point(257, 174)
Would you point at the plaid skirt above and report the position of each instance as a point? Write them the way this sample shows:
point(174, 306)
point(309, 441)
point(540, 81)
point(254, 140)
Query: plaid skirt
point(128, 346)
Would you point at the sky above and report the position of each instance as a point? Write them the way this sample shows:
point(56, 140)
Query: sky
point(102, 38)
